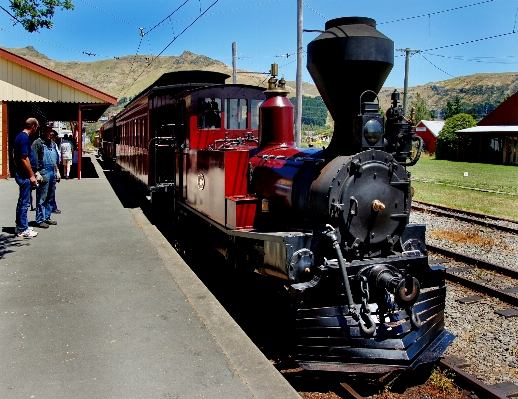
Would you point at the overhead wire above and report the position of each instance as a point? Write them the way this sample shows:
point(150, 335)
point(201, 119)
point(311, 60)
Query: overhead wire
point(436, 12)
point(172, 41)
point(449, 74)
point(484, 60)
point(168, 17)
point(470, 41)
point(230, 10)
point(126, 75)
point(106, 12)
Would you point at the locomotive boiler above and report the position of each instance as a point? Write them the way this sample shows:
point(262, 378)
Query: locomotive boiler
point(332, 224)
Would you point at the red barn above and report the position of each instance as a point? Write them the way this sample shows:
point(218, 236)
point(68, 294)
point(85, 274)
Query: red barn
point(428, 131)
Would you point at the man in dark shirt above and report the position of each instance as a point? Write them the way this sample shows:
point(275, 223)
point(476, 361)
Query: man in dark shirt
point(25, 161)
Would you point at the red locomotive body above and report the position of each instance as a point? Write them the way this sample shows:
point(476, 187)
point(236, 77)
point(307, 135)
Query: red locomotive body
point(332, 224)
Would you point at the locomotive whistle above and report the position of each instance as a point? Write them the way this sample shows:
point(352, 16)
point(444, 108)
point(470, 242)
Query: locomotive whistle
point(377, 205)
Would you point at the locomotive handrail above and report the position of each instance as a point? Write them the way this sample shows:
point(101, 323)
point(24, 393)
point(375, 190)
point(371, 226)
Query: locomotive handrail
point(419, 150)
point(368, 91)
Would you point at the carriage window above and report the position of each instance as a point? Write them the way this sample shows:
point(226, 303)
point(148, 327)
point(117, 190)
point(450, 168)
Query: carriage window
point(255, 113)
point(236, 111)
point(209, 113)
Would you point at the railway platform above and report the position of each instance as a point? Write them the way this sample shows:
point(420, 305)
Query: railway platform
point(101, 306)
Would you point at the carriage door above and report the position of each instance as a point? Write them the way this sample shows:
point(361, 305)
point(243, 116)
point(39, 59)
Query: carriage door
point(164, 147)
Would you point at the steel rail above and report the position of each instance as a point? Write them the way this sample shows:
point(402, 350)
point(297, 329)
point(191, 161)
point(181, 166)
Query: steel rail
point(451, 214)
point(461, 379)
point(473, 284)
point(350, 391)
point(471, 213)
point(473, 385)
point(473, 261)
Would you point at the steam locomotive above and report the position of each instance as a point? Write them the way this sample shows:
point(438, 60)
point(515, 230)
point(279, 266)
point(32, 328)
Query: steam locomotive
point(331, 223)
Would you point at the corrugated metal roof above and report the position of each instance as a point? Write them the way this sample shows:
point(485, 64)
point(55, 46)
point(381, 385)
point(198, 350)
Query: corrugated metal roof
point(433, 126)
point(496, 129)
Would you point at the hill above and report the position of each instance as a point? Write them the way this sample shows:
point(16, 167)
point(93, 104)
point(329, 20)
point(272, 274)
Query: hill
point(480, 93)
point(127, 76)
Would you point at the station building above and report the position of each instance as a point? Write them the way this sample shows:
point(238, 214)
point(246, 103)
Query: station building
point(495, 138)
point(31, 90)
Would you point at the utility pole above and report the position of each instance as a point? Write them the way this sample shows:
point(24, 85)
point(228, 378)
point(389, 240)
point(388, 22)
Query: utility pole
point(407, 69)
point(298, 110)
point(234, 62)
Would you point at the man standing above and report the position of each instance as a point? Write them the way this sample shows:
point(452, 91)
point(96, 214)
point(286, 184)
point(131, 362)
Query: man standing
point(25, 162)
point(47, 159)
point(55, 147)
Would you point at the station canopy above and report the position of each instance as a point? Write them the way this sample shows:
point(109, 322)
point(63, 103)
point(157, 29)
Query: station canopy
point(31, 90)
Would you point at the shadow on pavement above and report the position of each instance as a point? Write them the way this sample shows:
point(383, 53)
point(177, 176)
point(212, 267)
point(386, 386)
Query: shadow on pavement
point(8, 241)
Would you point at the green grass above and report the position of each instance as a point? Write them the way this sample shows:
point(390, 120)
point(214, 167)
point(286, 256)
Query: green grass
point(454, 190)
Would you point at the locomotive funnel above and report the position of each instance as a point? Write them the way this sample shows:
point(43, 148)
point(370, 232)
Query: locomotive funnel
point(350, 57)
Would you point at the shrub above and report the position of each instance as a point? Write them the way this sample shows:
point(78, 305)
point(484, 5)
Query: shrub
point(447, 142)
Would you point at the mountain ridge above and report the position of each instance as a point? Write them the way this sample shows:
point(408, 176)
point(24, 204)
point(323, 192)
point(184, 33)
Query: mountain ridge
point(127, 76)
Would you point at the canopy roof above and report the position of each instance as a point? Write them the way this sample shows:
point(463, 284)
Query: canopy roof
point(56, 96)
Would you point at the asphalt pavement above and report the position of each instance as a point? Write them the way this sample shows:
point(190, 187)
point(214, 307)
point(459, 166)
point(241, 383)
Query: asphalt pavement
point(101, 306)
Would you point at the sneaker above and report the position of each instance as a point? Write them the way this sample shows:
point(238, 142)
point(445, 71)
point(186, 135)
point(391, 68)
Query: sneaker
point(43, 225)
point(51, 222)
point(26, 234)
point(56, 211)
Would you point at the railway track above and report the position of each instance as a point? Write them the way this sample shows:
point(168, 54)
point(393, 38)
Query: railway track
point(466, 386)
point(505, 279)
point(497, 223)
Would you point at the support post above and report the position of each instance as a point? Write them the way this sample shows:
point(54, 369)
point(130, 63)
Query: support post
point(298, 109)
point(79, 141)
point(234, 62)
point(407, 72)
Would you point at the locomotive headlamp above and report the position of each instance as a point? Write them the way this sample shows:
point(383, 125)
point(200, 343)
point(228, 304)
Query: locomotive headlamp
point(373, 131)
point(368, 126)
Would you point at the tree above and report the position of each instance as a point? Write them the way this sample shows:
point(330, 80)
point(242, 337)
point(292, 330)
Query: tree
point(36, 14)
point(454, 108)
point(421, 111)
point(314, 111)
point(448, 143)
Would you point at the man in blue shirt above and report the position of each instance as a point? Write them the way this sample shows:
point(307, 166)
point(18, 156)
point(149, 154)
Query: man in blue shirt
point(25, 162)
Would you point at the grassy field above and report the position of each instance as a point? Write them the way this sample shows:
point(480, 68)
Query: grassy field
point(491, 189)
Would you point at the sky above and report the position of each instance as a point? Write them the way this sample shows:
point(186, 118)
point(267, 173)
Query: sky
point(454, 37)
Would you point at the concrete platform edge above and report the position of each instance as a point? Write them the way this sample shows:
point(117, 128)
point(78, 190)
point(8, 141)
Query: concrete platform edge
point(262, 378)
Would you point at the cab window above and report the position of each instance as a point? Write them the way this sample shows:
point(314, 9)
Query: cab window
point(255, 113)
point(236, 113)
point(209, 113)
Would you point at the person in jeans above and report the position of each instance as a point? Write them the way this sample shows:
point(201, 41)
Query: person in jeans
point(47, 159)
point(53, 137)
point(67, 148)
point(25, 163)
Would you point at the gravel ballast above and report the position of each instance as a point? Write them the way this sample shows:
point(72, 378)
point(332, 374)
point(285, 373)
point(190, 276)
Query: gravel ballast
point(489, 342)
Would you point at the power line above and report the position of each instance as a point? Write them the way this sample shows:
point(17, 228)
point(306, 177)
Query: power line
point(12, 16)
point(436, 12)
point(169, 16)
point(484, 60)
point(56, 45)
point(470, 41)
point(131, 68)
point(225, 11)
point(436, 66)
point(315, 11)
point(415, 16)
point(172, 41)
point(111, 15)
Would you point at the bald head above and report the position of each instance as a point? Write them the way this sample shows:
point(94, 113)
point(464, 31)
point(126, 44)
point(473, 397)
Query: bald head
point(31, 126)
point(30, 122)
